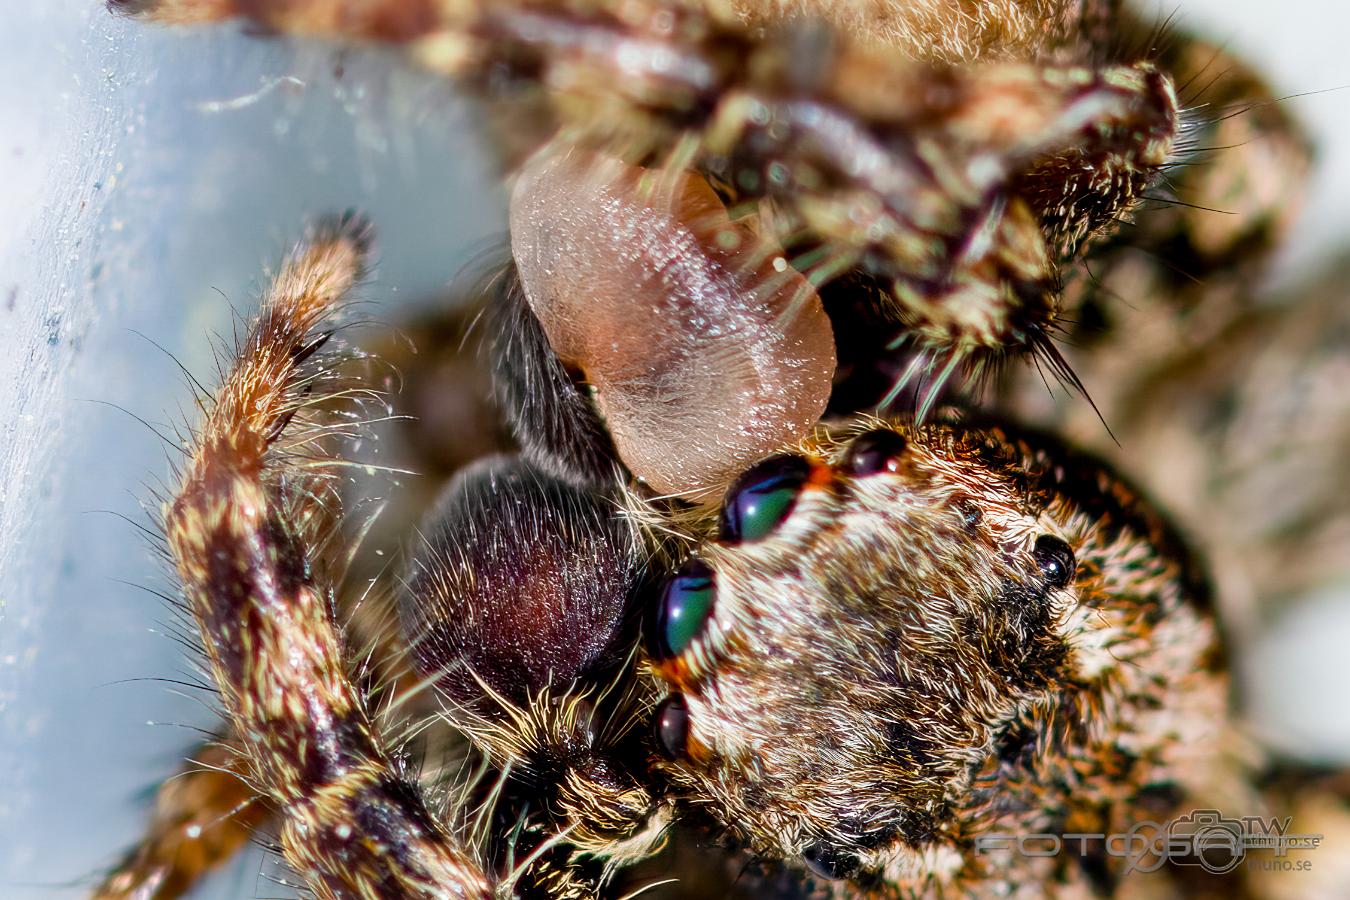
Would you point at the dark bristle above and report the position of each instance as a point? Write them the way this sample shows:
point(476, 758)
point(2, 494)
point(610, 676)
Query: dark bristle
point(555, 423)
point(1044, 350)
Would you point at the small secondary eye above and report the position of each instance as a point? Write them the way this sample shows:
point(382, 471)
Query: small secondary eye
point(672, 726)
point(1056, 560)
point(830, 863)
point(762, 498)
point(685, 604)
point(875, 452)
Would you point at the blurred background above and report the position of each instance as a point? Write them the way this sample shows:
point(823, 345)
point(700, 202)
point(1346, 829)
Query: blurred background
point(145, 178)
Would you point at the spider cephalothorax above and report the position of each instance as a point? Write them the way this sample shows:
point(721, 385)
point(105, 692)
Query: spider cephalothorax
point(852, 647)
point(885, 612)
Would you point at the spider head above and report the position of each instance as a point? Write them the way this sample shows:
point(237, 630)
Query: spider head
point(842, 657)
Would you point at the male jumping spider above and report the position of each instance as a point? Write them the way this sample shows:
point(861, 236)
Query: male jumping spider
point(782, 559)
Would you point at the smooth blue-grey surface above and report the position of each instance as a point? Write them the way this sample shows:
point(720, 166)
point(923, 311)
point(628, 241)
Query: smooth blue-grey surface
point(145, 178)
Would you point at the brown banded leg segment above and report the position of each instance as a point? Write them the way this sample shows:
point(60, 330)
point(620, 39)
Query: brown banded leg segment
point(942, 181)
point(203, 816)
point(351, 826)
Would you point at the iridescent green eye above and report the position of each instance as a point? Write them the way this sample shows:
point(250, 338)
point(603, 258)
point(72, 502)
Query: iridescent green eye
point(762, 498)
point(685, 605)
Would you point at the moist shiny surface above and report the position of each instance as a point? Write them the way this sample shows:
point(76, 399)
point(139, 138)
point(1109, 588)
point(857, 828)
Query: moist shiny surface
point(704, 348)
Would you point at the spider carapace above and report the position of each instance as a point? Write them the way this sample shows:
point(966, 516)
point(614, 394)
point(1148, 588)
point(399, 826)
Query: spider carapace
point(774, 565)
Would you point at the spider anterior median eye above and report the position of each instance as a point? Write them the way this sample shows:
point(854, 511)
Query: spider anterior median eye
point(685, 605)
point(875, 452)
point(830, 863)
point(1055, 557)
point(763, 497)
point(672, 726)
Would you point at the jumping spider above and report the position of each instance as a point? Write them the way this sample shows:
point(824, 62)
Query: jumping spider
point(779, 558)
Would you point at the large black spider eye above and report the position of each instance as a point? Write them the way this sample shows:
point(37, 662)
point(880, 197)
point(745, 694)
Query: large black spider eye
point(830, 862)
point(672, 726)
point(762, 498)
point(875, 452)
point(683, 609)
point(1055, 558)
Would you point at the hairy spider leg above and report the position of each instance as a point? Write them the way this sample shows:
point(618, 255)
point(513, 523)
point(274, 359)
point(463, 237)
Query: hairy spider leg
point(353, 825)
point(959, 188)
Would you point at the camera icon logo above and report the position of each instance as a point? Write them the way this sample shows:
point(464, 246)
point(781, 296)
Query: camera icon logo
point(1207, 839)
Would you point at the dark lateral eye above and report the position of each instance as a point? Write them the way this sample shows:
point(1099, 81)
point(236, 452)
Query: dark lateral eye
point(829, 862)
point(875, 452)
point(1055, 558)
point(762, 498)
point(672, 726)
point(686, 603)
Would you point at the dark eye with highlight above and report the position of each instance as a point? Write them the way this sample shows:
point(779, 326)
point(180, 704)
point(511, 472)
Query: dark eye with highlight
point(685, 604)
point(1055, 559)
point(830, 863)
point(762, 498)
point(875, 452)
point(672, 726)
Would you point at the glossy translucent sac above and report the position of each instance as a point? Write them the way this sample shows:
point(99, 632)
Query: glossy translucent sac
point(704, 347)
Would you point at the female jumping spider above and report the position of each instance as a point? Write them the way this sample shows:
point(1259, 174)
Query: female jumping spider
point(780, 559)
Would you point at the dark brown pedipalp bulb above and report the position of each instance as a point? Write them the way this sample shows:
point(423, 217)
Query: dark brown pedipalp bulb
point(706, 349)
point(524, 583)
